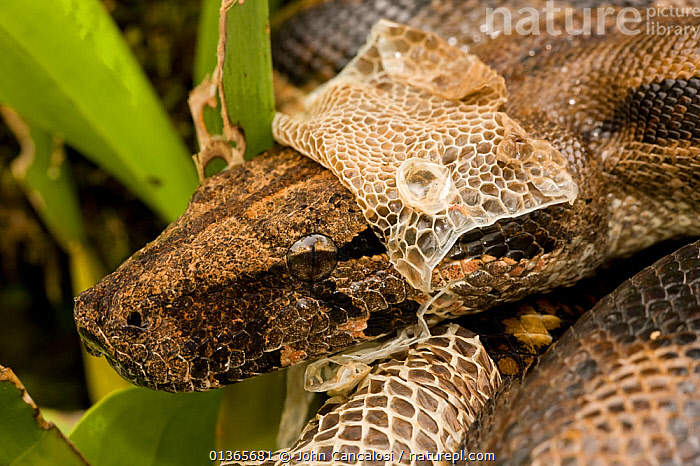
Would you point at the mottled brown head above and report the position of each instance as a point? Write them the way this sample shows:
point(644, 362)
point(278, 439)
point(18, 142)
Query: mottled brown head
point(272, 263)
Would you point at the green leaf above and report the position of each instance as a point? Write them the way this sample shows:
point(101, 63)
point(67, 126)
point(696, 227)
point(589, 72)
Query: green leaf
point(247, 69)
point(66, 69)
point(138, 427)
point(45, 176)
point(247, 74)
point(25, 437)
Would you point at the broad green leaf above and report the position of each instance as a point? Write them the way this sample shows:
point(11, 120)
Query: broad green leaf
point(66, 69)
point(138, 427)
point(208, 36)
point(25, 437)
point(247, 69)
point(65, 420)
point(247, 74)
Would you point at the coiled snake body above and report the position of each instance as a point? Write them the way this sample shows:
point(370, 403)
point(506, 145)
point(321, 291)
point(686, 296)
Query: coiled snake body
point(273, 264)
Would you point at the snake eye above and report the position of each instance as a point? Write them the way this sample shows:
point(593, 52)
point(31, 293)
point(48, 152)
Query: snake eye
point(312, 258)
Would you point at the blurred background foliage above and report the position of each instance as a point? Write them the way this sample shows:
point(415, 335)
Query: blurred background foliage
point(67, 219)
point(38, 278)
point(37, 335)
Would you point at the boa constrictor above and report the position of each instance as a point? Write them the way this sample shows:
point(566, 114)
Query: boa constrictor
point(274, 262)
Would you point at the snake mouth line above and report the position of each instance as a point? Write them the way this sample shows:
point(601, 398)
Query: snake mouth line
point(94, 340)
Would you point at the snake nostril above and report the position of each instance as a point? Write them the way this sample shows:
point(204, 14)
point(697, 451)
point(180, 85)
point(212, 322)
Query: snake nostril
point(134, 319)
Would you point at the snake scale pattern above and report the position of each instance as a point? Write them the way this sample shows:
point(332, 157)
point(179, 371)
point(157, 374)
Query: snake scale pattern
point(273, 264)
point(620, 387)
point(419, 403)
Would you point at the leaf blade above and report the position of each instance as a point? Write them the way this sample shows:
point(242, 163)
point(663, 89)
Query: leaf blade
point(25, 438)
point(140, 427)
point(93, 93)
point(247, 74)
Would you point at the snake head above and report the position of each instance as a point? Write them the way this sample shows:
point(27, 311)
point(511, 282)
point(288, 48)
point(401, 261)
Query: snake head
point(271, 264)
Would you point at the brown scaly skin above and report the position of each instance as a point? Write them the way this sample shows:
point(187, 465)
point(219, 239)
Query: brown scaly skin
point(618, 388)
point(622, 386)
point(324, 35)
point(212, 302)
